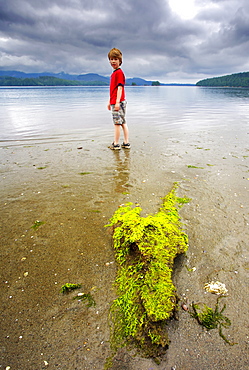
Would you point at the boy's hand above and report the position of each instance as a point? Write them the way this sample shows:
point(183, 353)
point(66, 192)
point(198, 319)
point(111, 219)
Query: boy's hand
point(109, 106)
point(117, 106)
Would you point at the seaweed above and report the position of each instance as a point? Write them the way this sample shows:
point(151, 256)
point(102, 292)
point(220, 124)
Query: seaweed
point(86, 297)
point(37, 224)
point(212, 319)
point(145, 249)
point(42, 167)
point(68, 287)
point(191, 166)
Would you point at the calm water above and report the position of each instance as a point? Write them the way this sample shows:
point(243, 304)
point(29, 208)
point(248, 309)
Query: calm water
point(67, 113)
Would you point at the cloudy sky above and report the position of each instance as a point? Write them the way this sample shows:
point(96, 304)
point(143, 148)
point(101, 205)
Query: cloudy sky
point(166, 40)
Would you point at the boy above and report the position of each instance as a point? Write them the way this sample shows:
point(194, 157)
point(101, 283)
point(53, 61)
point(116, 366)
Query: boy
point(117, 103)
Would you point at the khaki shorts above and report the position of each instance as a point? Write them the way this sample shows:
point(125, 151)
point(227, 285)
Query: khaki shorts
point(118, 116)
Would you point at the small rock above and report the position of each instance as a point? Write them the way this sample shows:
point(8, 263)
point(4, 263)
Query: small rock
point(184, 307)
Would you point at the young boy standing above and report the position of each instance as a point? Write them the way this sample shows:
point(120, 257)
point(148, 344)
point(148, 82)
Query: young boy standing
point(117, 103)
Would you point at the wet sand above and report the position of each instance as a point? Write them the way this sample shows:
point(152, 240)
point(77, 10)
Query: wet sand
point(74, 192)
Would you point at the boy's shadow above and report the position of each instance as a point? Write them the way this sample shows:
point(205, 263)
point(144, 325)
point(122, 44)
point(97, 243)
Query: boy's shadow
point(122, 171)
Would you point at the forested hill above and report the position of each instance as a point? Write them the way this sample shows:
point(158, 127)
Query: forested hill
point(46, 81)
point(234, 80)
point(16, 78)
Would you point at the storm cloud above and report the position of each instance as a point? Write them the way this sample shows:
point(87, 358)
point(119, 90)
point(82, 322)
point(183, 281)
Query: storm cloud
point(75, 36)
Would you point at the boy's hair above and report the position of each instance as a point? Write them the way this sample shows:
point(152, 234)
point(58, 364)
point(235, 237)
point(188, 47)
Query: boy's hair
point(115, 53)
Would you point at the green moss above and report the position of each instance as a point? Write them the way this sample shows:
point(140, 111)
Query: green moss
point(68, 287)
point(210, 318)
point(145, 249)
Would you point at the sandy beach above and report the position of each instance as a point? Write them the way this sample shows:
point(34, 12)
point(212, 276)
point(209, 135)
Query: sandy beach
point(73, 188)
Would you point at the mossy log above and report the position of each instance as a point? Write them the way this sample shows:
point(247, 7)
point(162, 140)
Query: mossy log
point(145, 249)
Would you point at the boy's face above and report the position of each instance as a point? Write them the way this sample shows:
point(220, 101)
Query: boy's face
point(115, 62)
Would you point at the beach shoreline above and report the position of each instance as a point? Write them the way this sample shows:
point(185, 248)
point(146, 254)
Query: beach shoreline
point(73, 188)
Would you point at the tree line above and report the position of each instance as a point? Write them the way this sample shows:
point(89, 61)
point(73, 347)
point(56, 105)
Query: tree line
point(234, 80)
point(56, 81)
point(46, 81)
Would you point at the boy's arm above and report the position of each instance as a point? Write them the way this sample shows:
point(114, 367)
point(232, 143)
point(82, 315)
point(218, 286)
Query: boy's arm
point(119, 94)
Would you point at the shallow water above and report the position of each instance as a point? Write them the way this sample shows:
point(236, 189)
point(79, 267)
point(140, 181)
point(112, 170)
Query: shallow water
point(56, 167)
point(66, 113)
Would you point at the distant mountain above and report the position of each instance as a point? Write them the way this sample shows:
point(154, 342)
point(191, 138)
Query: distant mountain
point(84, 79)
point(89, 77)
point(17, 78)
point(233, 80)
point(138, 81)
point(40, 81)
point(18, 74)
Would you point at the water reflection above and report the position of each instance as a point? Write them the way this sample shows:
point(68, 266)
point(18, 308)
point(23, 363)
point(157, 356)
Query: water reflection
point(122, 171)
point(63, 113)
point(229, 92)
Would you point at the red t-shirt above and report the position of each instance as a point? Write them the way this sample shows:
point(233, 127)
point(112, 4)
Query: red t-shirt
point(117, 79)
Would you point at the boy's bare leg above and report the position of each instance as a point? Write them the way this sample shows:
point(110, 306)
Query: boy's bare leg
point(126, 133)
point(116, 134)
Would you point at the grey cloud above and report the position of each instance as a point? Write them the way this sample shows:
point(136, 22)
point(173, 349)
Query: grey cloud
point(75, 36)
point(231, 31)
